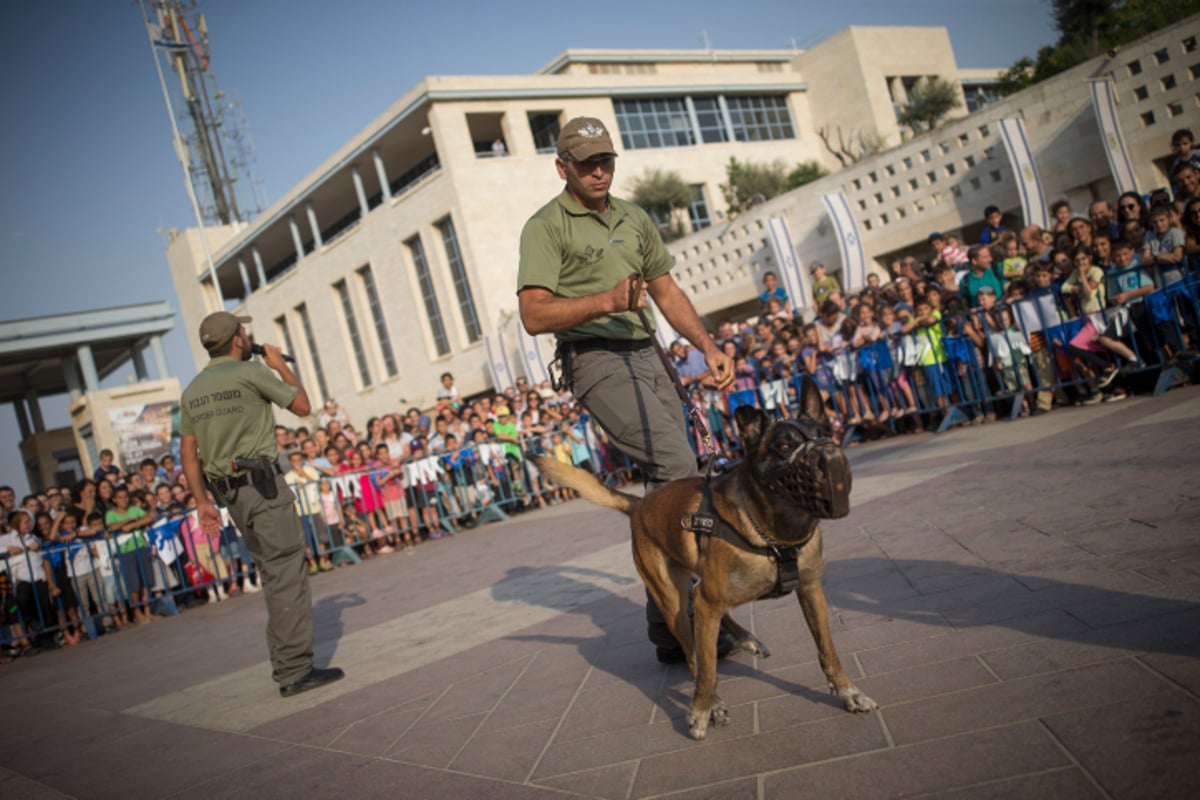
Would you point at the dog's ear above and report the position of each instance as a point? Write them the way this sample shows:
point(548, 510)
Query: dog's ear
point(811, 404)
point(751, 424)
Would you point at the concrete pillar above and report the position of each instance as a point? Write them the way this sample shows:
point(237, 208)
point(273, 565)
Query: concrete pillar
point(312, 223)
point(258, 267)
point(87, 365)
point(381, 172)
point(360, 192)
point(160, 358)
point(693, 120)
point(35, 411)
point(245, 276)
point(71, 376)
point(22, 419)
point(726, 120)
point(299, 245)
point(139, 364)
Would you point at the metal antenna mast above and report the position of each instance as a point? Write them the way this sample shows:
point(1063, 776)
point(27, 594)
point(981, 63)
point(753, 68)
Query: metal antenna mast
point(219, 149)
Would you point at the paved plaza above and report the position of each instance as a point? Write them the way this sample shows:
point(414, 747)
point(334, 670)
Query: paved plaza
point(1021, 599)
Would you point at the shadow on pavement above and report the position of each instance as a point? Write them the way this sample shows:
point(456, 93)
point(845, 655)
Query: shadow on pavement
point(327, 622)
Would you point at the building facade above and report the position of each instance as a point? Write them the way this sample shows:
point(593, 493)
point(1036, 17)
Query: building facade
point(394, 258)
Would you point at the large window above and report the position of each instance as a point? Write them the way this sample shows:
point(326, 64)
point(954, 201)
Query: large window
point(381, 331)
point(545, 128)
point(698, 211)
point(428, 296)
point(654, 122)
point(683, 121)
point(310, 340)
point(356, 342)
point(760, 118)
point(462, 286)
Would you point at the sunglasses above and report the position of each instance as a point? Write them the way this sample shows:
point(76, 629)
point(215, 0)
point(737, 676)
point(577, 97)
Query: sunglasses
point(1129, 205)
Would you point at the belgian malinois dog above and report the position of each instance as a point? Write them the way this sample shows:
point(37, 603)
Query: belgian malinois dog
point(792, 476)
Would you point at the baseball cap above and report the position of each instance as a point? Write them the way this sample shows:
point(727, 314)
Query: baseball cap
point(584, 137)
point(218, 328)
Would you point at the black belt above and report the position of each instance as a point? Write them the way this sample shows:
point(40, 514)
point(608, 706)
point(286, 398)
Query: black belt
point(234, 482)
point(615, 345)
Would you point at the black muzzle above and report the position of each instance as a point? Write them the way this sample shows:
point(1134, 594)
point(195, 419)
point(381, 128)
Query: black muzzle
point(819, 481)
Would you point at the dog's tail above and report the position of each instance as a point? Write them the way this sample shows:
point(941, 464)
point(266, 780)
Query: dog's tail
point(587, 484)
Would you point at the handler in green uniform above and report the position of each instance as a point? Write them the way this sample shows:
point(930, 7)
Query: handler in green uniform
point(580, 255)
point(227, 417)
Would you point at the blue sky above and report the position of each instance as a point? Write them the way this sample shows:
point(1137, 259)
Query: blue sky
point(90, 177)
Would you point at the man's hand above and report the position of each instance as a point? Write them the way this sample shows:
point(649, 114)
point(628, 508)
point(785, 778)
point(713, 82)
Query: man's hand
point(628, 295)
point(273, 357)
point(210, 518)
point(720, 368)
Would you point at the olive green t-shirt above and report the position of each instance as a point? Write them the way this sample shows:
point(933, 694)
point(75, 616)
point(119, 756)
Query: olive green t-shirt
point(575, 252)
point(227, 407)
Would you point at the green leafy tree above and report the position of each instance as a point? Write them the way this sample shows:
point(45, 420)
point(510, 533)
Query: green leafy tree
point(928, 103)
point(749, 184)
point(805, 172)
point(662, 193)
point(1088, 28)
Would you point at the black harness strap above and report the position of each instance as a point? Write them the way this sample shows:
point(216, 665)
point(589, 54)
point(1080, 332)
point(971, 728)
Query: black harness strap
point(705, 521)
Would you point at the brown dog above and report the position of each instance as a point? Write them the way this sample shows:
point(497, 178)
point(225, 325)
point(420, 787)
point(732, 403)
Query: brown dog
point(791, 477)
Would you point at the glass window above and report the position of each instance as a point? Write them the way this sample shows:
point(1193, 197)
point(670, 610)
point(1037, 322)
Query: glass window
point(356, 342)
point(653, 122)
point(381, 331)
point(545, 129)
point(708, 114)
point(428, 296)
point(698, 211)
point(311, 341)
point(760, 118)
point(462, 285)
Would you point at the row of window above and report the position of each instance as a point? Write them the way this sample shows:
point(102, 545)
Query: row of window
point(685, 121)
point(357, 333)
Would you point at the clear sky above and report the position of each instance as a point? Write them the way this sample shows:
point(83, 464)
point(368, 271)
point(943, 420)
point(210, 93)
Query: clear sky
point(89, 174)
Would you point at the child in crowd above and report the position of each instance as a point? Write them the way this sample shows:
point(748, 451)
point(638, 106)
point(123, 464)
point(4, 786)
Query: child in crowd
point(355, 529)
point(304, 483)
point(1060, 210)
point(1012, 267)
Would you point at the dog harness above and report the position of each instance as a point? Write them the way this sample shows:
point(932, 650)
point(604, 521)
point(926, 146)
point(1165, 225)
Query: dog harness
point(706, 521)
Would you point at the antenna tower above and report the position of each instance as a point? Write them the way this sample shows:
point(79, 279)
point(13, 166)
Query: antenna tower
point(217, 150)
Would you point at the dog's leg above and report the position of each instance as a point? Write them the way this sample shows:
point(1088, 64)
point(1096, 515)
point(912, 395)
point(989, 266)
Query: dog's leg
point(706, 705)
point(745, 639)
point(669, 586)
point(816, 613)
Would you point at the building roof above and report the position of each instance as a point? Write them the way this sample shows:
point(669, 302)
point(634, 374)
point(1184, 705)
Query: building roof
point(568, 57)
point(33, 350)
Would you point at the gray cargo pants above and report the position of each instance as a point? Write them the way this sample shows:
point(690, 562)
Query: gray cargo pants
point(275, 539)
point(633, 399)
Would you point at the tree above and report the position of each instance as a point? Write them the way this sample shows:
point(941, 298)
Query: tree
point(750, 184)
point(805, 172)
point(662, 193)
point(1088, 28)
point(848, 151)
point(928, 103)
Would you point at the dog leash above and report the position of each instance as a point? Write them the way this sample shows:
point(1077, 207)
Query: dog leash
point(637, 285)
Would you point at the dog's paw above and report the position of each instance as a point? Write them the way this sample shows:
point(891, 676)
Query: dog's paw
point(698, 723)
point(855, 701)
point(719, 713)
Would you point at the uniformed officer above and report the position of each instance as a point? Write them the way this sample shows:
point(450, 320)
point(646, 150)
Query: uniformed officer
point(226, 418)
point(584, 258)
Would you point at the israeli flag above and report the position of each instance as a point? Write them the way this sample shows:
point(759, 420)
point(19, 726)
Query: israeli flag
point(791, 271)
point(497, 356)
point(849, 237)
point(1105, 106)
point(532, 355)
point(1029, 183)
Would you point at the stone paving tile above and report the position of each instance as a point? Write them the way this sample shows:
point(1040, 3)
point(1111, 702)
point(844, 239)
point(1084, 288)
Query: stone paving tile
point(928, 680)
point(14, 786)
point(434, 744)
point(741, 789)
point(167, 757)
point(375, 735)
point(478, 692)
point(1183, 667)
point(607, 708)
point(1144, 747)
point(635, 743)
point(727, 757)
point(944, 764)
point(1061, 784)
point(321, 725)
point(508, 755)
point(612, 781)
point(1026, 698)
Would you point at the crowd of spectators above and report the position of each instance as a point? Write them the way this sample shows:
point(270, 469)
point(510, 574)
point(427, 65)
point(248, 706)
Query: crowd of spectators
point(973, 325)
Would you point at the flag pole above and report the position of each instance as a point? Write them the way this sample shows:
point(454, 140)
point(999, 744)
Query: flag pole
point(181, 154)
